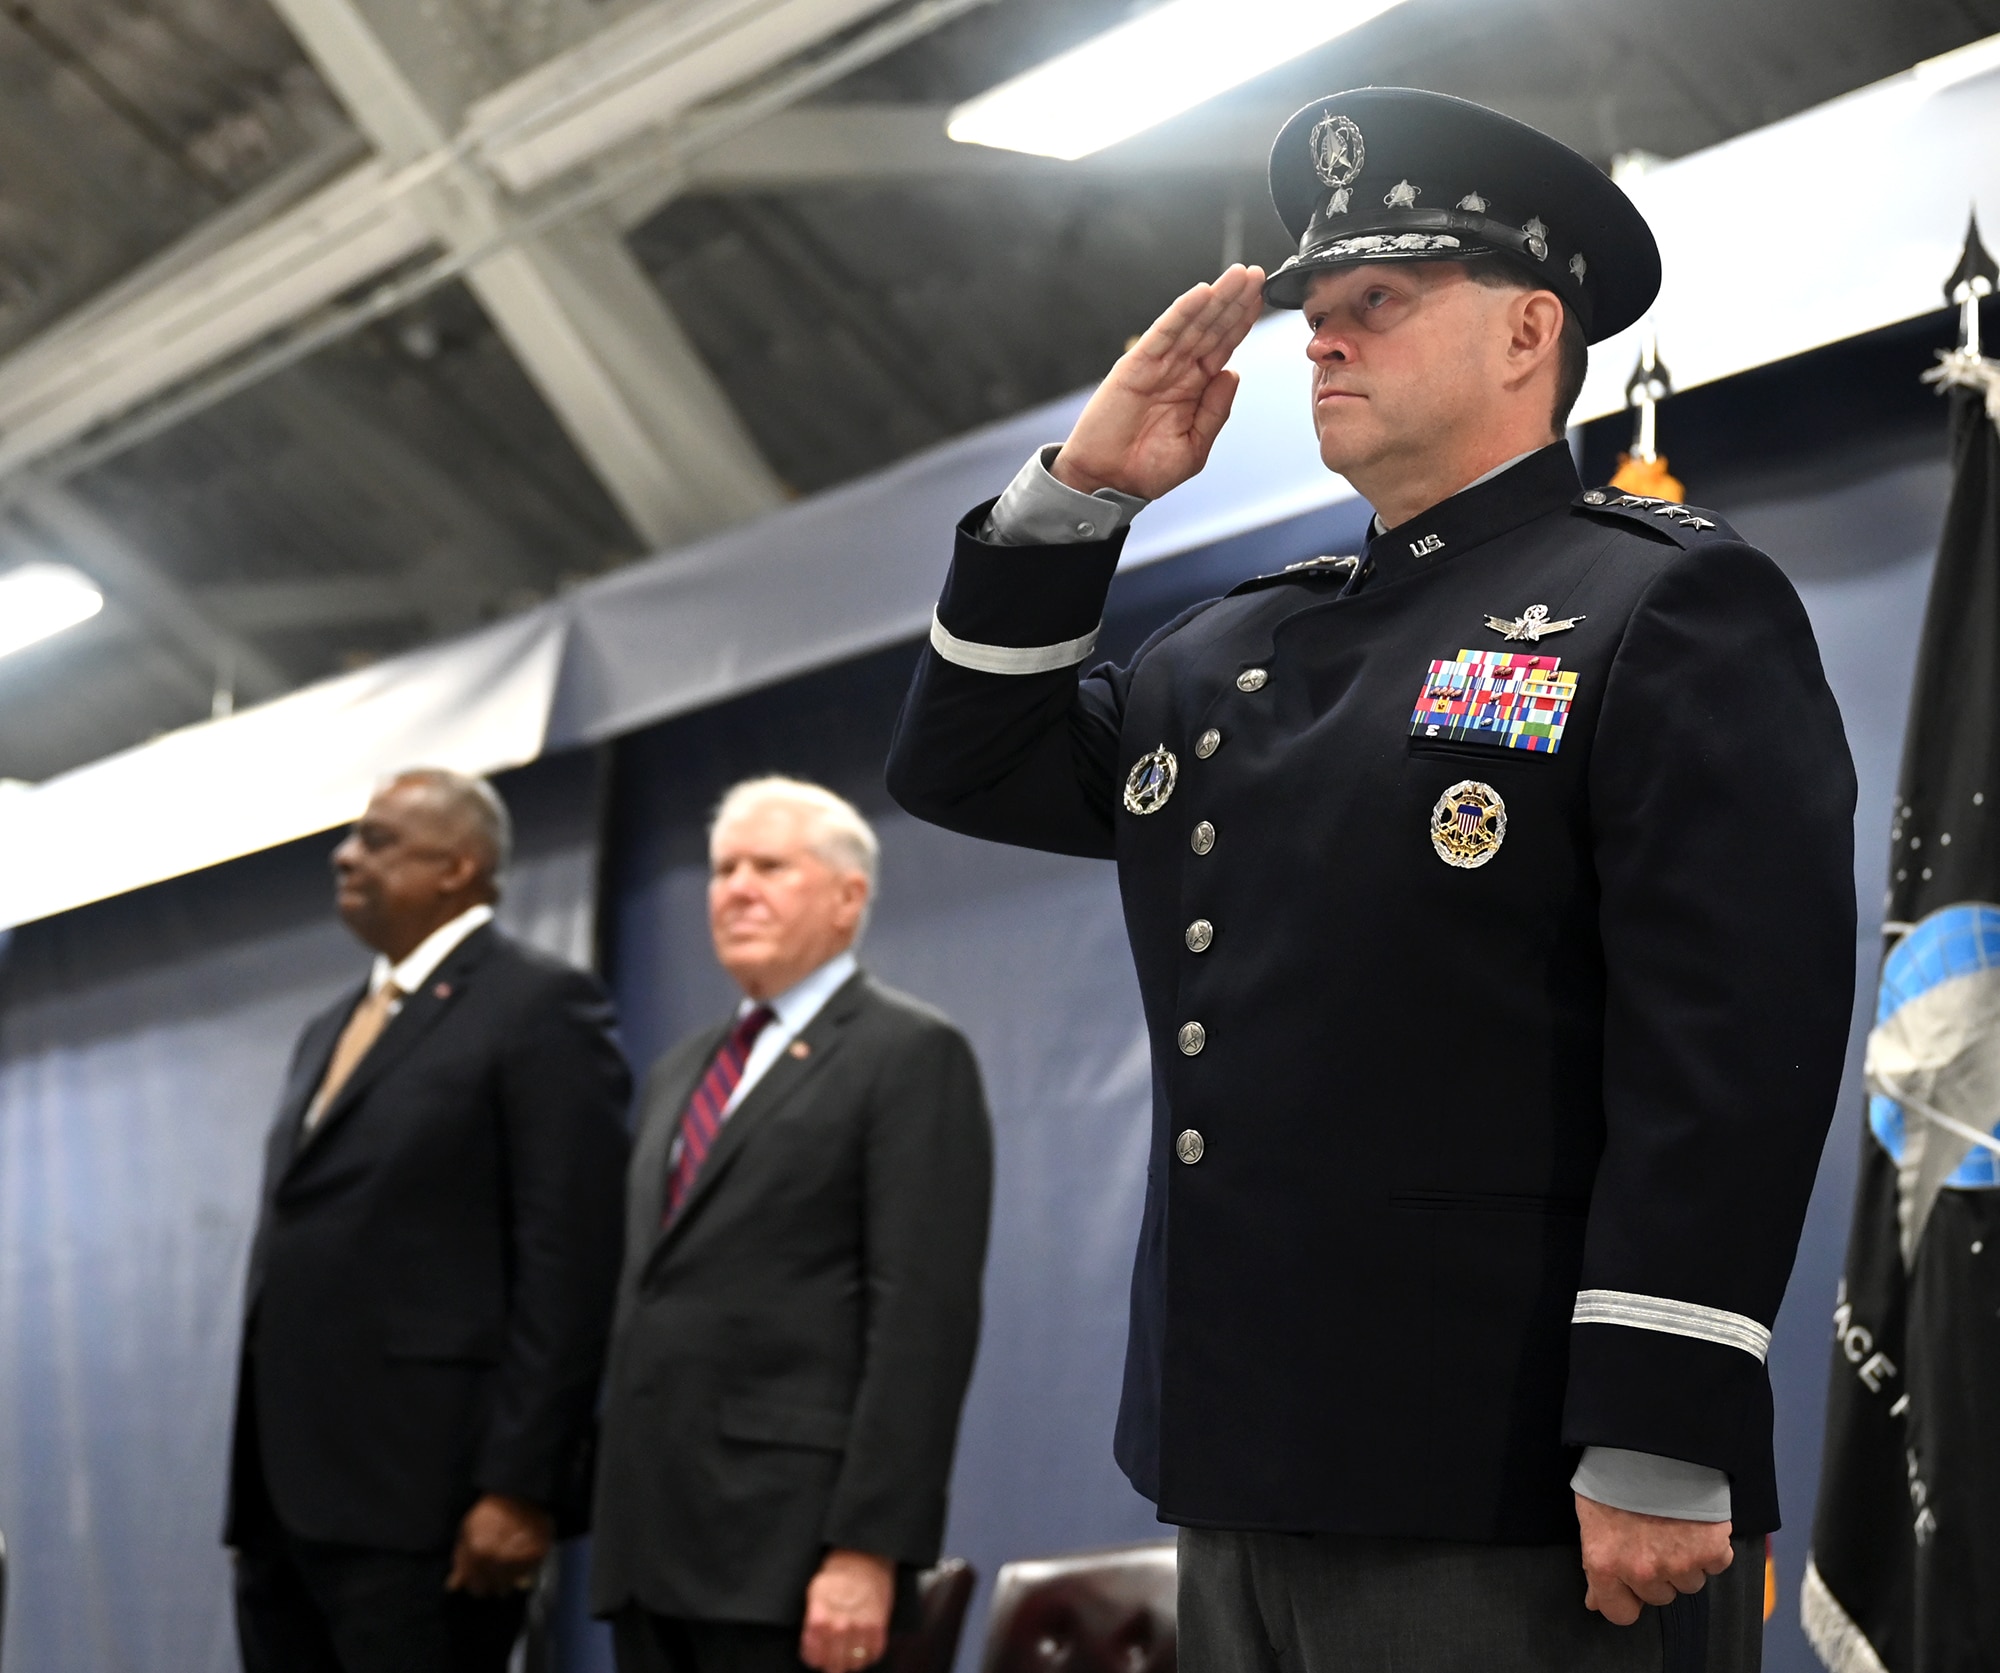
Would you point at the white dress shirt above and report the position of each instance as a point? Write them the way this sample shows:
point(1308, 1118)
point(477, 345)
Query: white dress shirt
point(415, 970)
point(791, 1011)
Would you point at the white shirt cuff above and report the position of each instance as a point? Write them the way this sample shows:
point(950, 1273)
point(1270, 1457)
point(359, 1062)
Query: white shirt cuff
point(1037, 510)
point(1652, 1485)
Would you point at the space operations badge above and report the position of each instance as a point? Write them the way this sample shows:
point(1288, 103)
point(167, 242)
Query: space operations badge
point(1151, 781)
point(1512, 700)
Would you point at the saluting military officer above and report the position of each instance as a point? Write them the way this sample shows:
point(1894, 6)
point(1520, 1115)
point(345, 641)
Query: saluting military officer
point(1492, 901)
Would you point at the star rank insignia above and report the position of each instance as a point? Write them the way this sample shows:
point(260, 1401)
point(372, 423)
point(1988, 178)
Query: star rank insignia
point(1531, 624)
point(1686, 516)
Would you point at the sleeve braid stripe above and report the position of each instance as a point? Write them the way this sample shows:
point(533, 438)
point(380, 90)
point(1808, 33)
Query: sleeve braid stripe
point(1010, 659)
point(1675, 1318)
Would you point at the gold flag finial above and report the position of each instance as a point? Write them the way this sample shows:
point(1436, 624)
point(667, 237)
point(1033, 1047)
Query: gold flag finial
point(1643, 470)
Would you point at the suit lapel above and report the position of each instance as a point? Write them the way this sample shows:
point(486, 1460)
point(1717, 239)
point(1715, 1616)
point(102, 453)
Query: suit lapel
point(419, 1014)
point(315, 1053)
point(792, 1070)
point(666, 1102)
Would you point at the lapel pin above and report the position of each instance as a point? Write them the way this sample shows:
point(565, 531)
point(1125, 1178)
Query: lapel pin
point(800, 1049)
point(442, 990)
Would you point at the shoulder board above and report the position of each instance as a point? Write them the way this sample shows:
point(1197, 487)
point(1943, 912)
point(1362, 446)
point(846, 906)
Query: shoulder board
point(1335, 570)
point(1684, 525)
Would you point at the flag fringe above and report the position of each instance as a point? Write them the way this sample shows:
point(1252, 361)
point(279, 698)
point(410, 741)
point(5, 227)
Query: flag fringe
point(1964, 369)
point(1841, 1645)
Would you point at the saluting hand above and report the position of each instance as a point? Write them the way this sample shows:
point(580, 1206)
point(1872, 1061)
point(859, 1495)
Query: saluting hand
point(1630, 1558)
point(1152, 422)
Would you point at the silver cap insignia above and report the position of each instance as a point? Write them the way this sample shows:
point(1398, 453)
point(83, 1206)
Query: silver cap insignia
point(1402, 195)
point(1337, 153)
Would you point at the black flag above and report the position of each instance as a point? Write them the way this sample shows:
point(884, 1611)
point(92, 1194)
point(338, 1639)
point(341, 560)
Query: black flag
point(1904, 1575)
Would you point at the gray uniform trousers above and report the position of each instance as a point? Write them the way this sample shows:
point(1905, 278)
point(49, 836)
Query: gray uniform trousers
point(1337, 1603)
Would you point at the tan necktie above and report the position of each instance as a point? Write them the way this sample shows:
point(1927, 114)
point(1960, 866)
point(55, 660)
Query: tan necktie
point(363, 1029)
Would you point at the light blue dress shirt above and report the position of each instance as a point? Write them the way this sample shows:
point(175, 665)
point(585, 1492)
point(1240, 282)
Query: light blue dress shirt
point(792, 1009)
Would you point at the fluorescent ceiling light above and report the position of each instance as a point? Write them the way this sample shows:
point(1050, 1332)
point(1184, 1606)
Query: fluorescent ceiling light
point(1161, 63)
point(41, 599)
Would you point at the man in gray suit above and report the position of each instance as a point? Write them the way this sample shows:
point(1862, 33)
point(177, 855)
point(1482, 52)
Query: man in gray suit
point(805, 1230)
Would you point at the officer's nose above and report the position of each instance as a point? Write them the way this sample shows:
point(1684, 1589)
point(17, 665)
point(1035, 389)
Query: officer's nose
point(1325, 349)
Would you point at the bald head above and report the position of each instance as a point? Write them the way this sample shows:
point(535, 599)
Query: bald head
point(431, 844)
point(469, 810)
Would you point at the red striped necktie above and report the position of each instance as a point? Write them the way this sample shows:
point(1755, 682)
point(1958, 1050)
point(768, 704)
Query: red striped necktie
point(702, 1119)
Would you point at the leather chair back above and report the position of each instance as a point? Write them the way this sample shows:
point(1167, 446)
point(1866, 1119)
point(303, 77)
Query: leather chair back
point(1108, 1611)
point(931, 1645)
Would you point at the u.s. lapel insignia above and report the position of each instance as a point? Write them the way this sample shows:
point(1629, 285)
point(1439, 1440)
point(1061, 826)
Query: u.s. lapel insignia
point(1468, 824)
point(1151, 781)
point(1531, 624)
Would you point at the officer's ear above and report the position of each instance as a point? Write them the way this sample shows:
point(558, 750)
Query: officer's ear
point(1545, 348)
point(1536, 319)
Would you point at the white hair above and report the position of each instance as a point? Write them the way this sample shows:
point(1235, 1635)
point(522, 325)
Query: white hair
point(836, 831)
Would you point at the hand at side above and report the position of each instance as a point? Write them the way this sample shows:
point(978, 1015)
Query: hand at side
point(1153, 420)
point(1630, 1559)
point(501, 1543)
point(847, 1612)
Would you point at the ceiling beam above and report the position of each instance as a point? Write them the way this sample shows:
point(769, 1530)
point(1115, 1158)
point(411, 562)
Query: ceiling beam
point(825, 144)
point(473, 560)
point(226, 662)
point(589, 329)
point(316, 603)
point(582, 103)
point(181, 318)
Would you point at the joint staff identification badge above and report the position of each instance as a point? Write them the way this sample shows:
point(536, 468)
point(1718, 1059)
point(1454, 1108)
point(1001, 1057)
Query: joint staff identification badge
point(1468, 825)
point(1151, 781)
point(1506, 698)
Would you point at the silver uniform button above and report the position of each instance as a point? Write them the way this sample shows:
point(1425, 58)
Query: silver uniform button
point(1192, 1037)
point(1202, 838)
point(1253, 679)
point(1200, 936)
point(1208, 743)
point(1087, 530)
point(1189, 1147)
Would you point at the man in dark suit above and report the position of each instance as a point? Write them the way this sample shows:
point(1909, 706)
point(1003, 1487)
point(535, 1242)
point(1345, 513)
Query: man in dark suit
point(431, 1281)
point(805, 1229)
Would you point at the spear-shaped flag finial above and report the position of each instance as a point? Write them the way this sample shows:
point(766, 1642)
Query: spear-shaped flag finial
point(1977, 273)
point(1975, 276)
point(1643, 470)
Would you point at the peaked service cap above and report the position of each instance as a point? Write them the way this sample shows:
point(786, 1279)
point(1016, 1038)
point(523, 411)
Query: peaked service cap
point(1398, 174)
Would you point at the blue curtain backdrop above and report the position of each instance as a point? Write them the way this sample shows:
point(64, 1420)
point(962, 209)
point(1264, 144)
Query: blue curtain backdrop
point(142, 1043)
point(1027, 951)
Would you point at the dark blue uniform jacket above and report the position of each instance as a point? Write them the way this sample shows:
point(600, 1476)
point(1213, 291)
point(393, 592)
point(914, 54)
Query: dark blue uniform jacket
point(1444, 1111)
